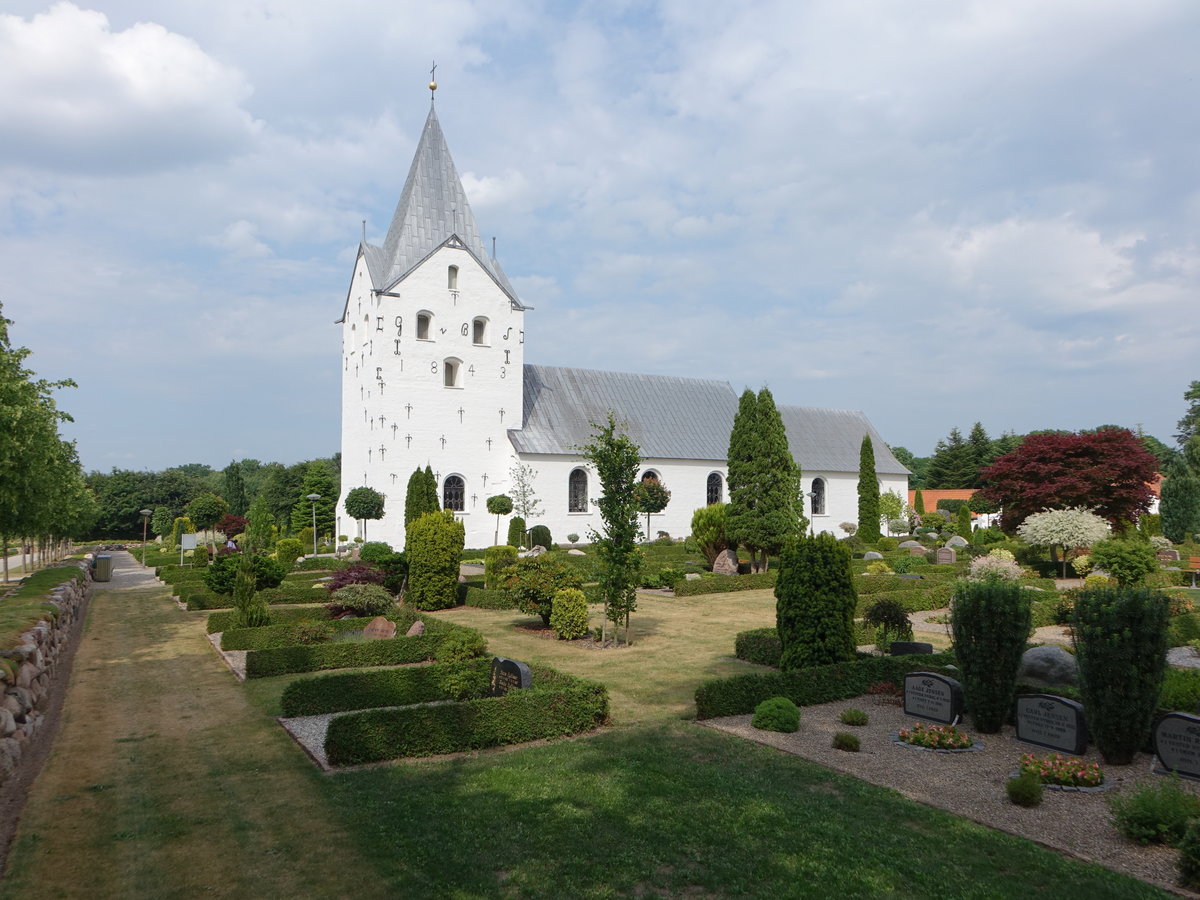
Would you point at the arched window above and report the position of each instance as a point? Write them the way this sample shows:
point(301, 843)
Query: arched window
point(479, 330)
point(715, 488)
point(649, 475)
point(452, 278)
point(818, 497)
point(424, 326)
point(454, 490)
point(452, 373)
point(577, 498)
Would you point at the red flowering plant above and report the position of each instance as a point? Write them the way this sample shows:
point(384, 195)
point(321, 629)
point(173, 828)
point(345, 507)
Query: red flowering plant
point(1063, 770)
point(885, 692)
point(936, 737)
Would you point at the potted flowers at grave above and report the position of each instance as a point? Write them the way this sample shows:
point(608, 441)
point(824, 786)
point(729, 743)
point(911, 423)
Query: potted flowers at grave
point(1062, 771)
point(935, 737)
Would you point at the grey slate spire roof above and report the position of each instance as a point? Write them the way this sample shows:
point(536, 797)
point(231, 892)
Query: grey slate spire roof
point(679, 418)
point(432, 211)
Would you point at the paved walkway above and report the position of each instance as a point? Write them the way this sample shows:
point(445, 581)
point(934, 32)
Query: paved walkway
point(127, 573)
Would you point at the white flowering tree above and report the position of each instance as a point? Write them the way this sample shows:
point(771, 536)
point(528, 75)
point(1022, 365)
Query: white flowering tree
point(1066, 528)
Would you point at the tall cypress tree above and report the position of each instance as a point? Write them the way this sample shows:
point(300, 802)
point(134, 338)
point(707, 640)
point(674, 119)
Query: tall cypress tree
point(414, 497)
point(432, 504)
point(235, 489)
point(868, 493)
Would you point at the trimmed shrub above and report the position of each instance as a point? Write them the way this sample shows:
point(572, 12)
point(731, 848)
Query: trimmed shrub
point(740, 694)
point(288, 634)
point(1127, 561)
point(722, 584)
point(224, 620)
point(760, 645)
point(557, 704)
point(569, 615)
point(990, 624)
point(1180, 690)
point(516, 532)
point(324, 694)
point(1155, 814)
point(200, 557)
point(854, 717)
point(534, 581)
point(496, 563)
point(1189, 856)
point(843, 740)
point(902, 565)
point(815, 600)
point(539, 536)
point(368, 600)
point(435, 547)
point(1121, 646)
point(219, 577)
point(777, 714)
point(375, 551)
point(288, 550)
point(887, 543)
point(1024, 790)
point(483, 598)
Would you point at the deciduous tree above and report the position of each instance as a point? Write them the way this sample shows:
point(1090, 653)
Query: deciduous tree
point(364, 503)
point(499, 505)
point(650, 496)
point(1065, 528)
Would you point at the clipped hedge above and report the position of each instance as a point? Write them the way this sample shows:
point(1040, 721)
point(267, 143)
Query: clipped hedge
point(917, 599)
point(805, 687)
point(207, 600)
point(1183, 629)
point(759, 645)
point(286, 634)
point(296, 592)
point(223, 621)
point(395, 651)
point(557, 704)
point(723, 584)
point(483, 598)
point(324, 694)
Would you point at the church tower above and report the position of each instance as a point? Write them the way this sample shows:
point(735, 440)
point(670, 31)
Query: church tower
point(432, 356)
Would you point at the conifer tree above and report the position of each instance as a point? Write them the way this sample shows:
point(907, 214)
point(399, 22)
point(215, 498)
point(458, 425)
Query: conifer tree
point(414, 497)
point(318, 479)
point(983, 450)
point(919, 503)
point(868, 493)
point(953, 463)
point(815, 601)
point(235, 489)
point(1180, 503)
point(432, 503)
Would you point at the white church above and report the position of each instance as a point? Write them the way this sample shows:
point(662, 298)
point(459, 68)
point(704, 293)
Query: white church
point(434, 373)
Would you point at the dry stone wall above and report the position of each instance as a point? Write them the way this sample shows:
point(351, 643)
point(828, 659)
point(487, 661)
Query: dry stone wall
point(25, 683)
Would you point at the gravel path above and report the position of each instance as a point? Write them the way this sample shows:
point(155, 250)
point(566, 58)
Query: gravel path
point(972, 784)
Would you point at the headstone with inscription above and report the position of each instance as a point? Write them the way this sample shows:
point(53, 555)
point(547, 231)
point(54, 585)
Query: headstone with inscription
point(916, 551)
point(1177, 743)
point(946, 556)
point(1168, 555)
point(726, 563)
point(379, 629)
point(1052, 722)
point(928, 695)
point(509, 675)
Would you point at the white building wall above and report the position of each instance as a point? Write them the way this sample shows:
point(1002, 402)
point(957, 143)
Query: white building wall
point(841, 498)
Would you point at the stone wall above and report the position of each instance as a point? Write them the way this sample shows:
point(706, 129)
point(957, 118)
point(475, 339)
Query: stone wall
point(25, 694)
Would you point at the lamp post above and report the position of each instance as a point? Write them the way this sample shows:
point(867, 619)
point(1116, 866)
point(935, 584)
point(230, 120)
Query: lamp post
point(145, 514)
point(313, 498)
point(812, 510)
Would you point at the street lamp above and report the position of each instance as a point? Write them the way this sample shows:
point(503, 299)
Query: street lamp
point(313, 498)
point(145, 514)
point(812, 509)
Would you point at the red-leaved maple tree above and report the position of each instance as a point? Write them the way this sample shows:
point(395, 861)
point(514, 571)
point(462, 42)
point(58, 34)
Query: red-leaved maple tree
point(1107, 470)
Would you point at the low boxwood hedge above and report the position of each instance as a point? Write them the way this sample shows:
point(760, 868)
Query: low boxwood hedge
point(806, 687)
point(287, 634)
point(759, 645)
point(482, 598)
point(935, 596)
point(296, 592)
point(223, 620)
point(439, 638)
point(323, 694)
point(721, 584)
point(205, 599)
point(557, 704)
point(1182, 629)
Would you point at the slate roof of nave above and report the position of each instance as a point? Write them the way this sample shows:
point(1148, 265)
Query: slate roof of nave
point(433, 208)
point(679, 418)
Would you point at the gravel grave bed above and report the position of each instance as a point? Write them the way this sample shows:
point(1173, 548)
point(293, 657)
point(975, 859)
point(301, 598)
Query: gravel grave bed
point(971, 785)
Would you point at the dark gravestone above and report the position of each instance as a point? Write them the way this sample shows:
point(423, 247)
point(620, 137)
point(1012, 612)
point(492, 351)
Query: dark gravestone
point(907, 648)
point(509, 675)
point(1177, 743)
point(928, 695)
point(1052, 722)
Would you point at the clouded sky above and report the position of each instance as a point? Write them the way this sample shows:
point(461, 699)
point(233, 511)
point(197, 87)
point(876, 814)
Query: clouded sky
point(935, 212)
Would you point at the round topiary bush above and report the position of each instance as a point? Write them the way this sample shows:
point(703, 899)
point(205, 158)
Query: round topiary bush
point(539, 536)
point(365, 599)
point(288, 550)
point(569, 614)
point(777, 714)
point(1024, 790)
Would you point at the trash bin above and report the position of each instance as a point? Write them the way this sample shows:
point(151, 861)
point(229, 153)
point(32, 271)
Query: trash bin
point(104, 566)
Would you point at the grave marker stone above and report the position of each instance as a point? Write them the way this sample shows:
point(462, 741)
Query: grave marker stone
point(1168, 555)
point(1052, 722)
point(379, 629)
point(928, 695)
point(946, 556)
point(916, 551)
point(1177, 743)
point(509, 675)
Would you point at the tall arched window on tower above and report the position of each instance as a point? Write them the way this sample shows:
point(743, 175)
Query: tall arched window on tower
point(452, 278)
point(454, 492)
point(715, 488)
point(479, 330)
point(818, 497)
point(424, 326)
point(577, 498)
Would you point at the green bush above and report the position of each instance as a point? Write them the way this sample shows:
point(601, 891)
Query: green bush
point(535, 580)
point(200, 557)
point(1127, 561)
point(903, 565)
point(759, 645)
point(890, 621)
point(368, 600)
point(1025, 790)
point(288, 550)
point(295, 592)
point(287, 634)
point(375, 551)
point(1189, 856)
point(1121, 646)
point(990, 623)
point(484, 598)
point(1155, 814)
point(853, 716)
point(516, 532)
point(1183, 629)
point(324, 694)
point(435, 547)
point(843, 740)
point(815, 600)
point(496, 563)
point(268, 572)
point(777, 714)
point(740, 694)
point(557, 704)
point(539, 536)
point(1180, 690)
point(224, 620)
point(887, 543)
point(721, 584)
point(569, 616)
